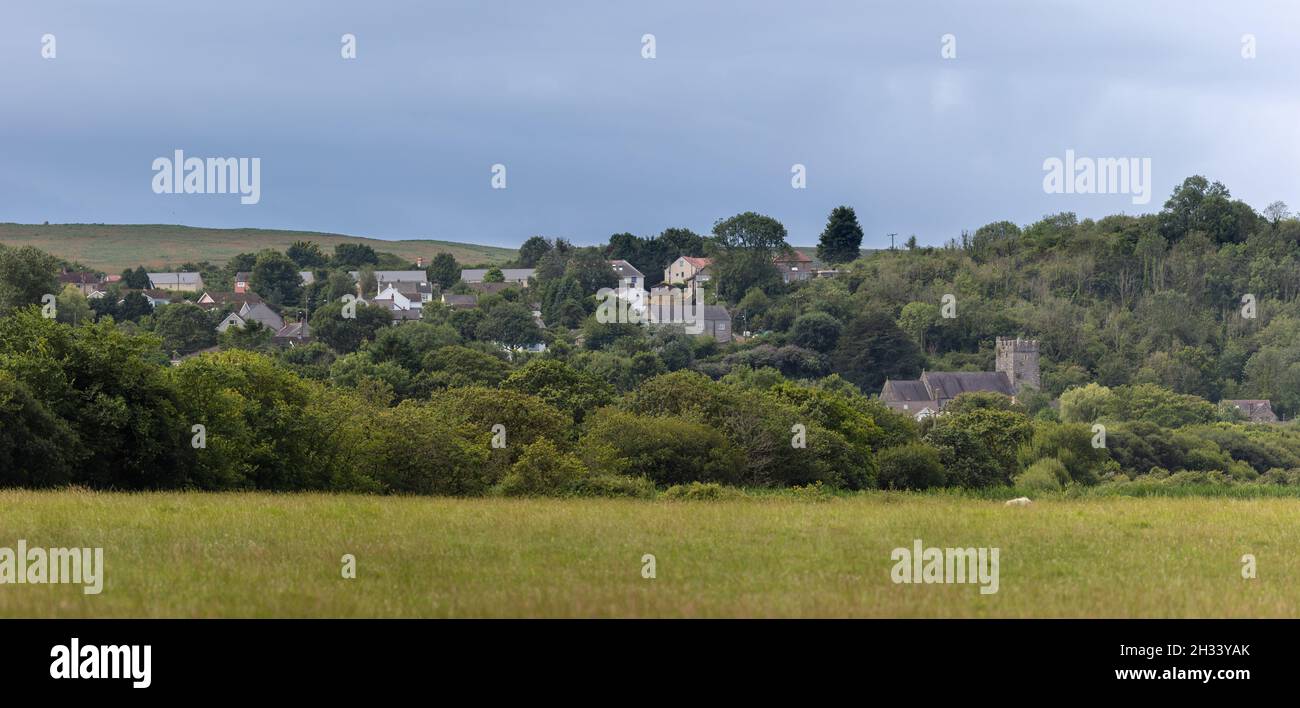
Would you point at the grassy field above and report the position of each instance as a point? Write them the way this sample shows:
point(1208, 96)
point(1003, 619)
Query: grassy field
point(260, 555)
point(116, 247)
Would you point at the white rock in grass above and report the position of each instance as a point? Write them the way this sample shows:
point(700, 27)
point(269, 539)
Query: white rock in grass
point(1019, 501)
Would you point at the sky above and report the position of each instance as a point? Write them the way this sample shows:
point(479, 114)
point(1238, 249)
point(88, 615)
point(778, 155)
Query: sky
point(921, 133)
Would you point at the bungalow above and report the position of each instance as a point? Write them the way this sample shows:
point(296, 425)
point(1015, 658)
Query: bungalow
point(293, 334)
point(183, 282)
point(213, 299)
point(231, 320)
point(390, 276)
point(460, 302)
point(260, 312)
point(518, 276)
point(156, 297)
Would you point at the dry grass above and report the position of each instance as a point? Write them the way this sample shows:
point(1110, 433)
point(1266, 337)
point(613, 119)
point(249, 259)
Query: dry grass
point(261, 555)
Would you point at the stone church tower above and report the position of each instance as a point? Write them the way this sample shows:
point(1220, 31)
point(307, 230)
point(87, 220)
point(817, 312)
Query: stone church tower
point(1019, 359)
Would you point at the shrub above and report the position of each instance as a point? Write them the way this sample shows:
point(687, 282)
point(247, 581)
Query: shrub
point(1045, 475)
point(415, 452)
point(698, 491)
point(614, 486)
point(911, 466)
point(542, 470)
point(667, 449)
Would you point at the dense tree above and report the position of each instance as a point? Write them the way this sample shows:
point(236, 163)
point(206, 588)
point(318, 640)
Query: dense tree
point(184, 328)
point(532, 251)
point(354, 255)
point(27, 275)
point(275, 278)
point(510, 324)
point(307, 255)
point(871, 349)
point(444, 270)
point(345, 334)
point(842, 237)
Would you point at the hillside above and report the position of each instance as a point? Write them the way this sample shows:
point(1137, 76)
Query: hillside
point(115, 247)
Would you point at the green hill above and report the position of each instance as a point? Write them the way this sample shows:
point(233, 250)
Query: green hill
point(115, 247)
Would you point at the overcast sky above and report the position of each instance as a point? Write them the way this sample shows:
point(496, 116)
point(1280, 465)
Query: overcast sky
point(400, 142)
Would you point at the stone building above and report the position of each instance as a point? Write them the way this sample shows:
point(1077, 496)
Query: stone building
point(1016, 367)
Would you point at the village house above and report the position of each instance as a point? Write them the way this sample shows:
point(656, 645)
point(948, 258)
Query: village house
point(216, 299)
point(181, 282)
point(628, 275)
point(517, 276)
point(460, 302)
point(1256, 410)
point(688, 270)
point(293, 334)
point(794, 266)
point(86, 282)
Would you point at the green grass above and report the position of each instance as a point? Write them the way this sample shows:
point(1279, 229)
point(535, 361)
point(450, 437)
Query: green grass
point(262, 555)
point(116, 247)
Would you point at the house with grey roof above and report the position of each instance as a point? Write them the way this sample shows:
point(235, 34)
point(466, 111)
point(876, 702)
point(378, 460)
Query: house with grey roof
point(518, 276)
point(628, 275)
point(261, 312)
point(1256, 410)
point(389, 276)
point(183, 282)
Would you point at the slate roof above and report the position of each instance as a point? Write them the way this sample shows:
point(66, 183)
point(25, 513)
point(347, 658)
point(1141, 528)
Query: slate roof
point(522, 275)
point(950, 384)
point(939, 386)
point(162, 280)
point(624, 269)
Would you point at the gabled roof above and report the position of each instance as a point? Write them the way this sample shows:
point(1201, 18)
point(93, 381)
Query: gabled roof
point(950, 384)
point(715, 313)
point(896, 390)
point(698, 262)
point(517, 274)
point(161, 279)
point(453, 300)
point(386, 276)
point(84, 277)
point(294, 330)
point(219, 297)
point(625, 269)
point(489, 288)
point(260, 312)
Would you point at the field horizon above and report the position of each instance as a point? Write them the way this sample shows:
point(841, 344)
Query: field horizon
point(116, 247)
point(279, 555)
